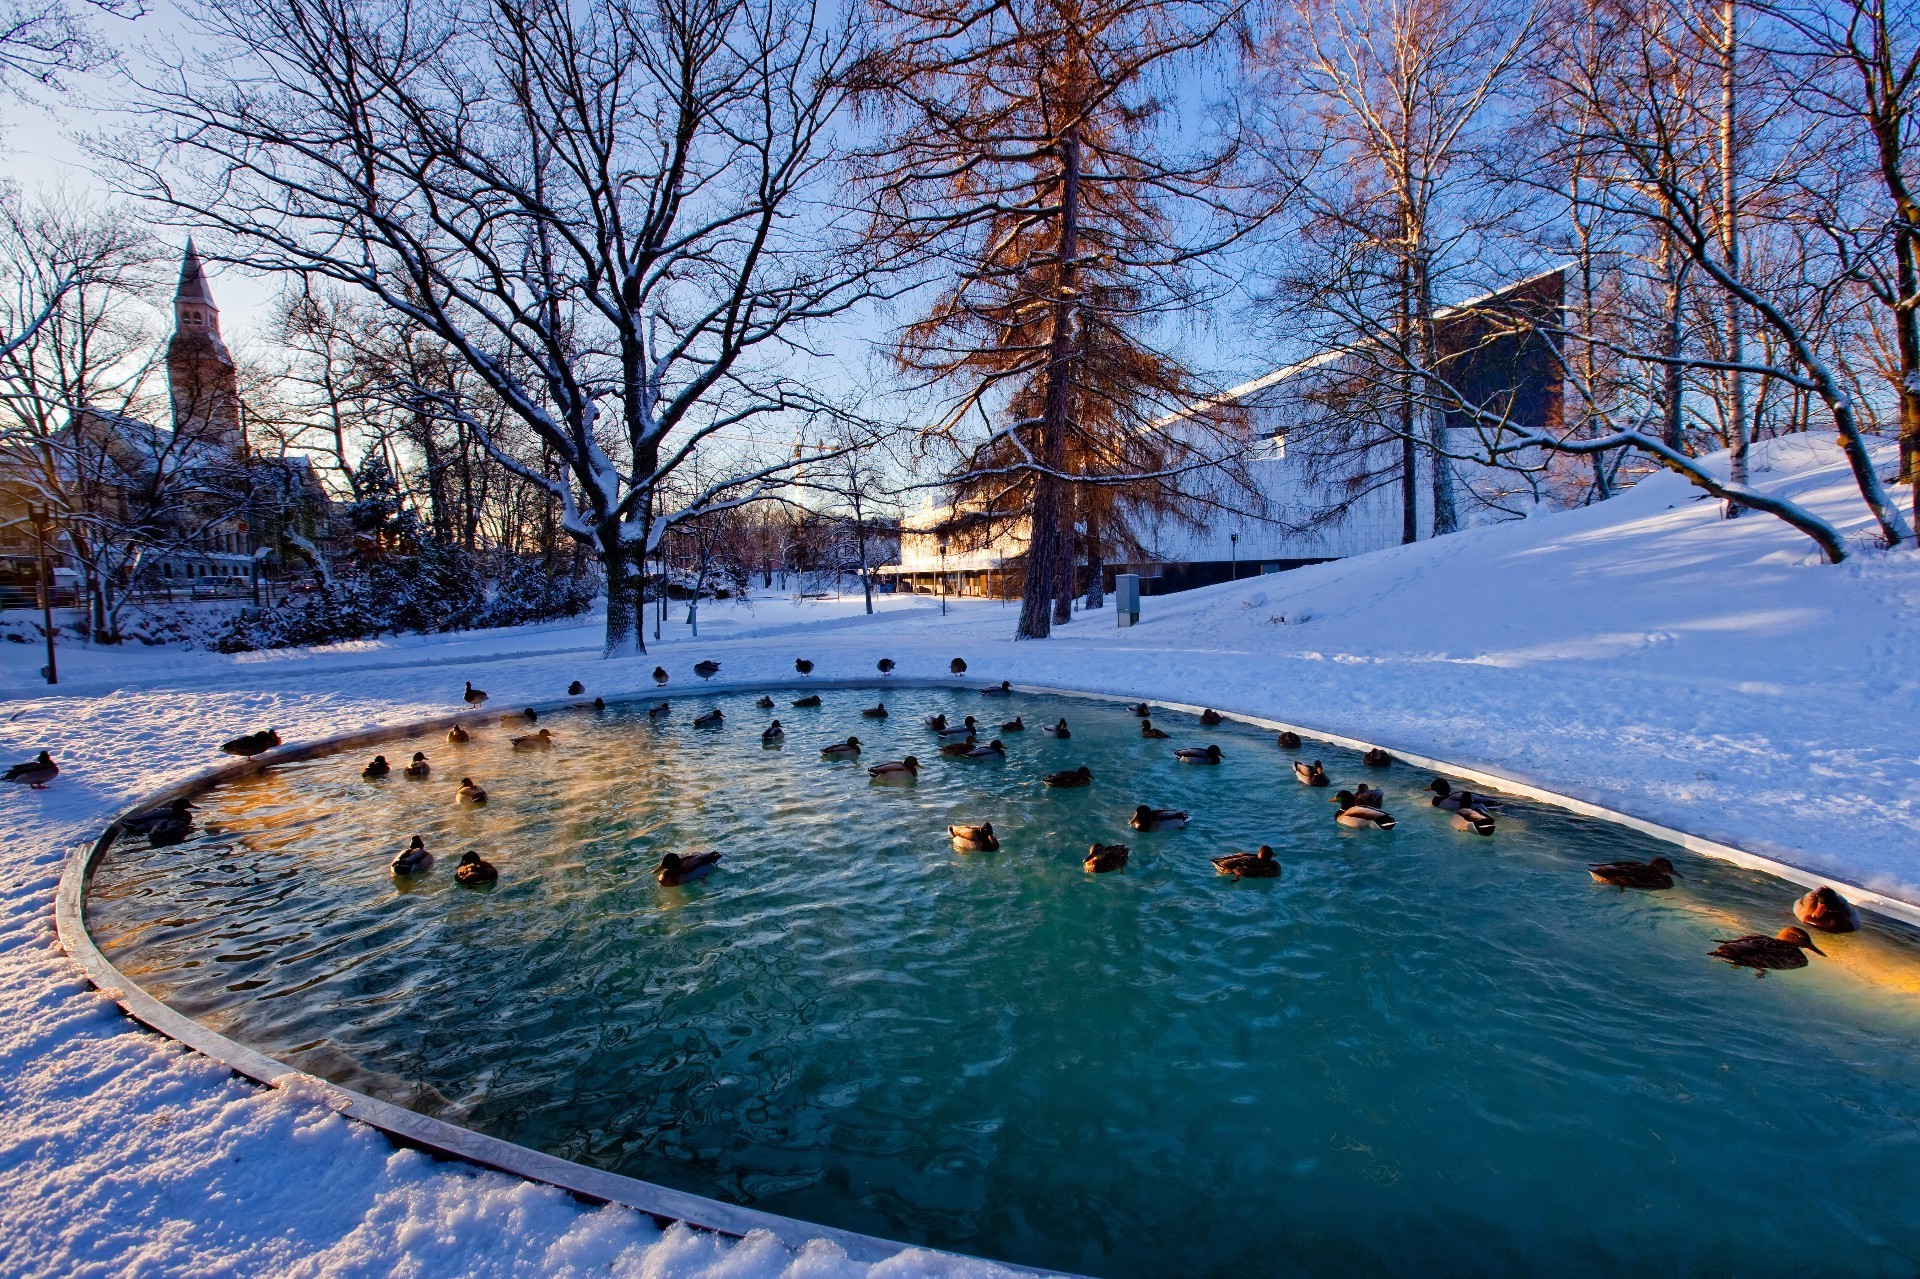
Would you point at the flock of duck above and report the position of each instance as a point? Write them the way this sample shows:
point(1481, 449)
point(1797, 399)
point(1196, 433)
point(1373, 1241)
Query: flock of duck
point(1822, 909)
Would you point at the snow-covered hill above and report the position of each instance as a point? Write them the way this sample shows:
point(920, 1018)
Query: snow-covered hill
point(1644, 653)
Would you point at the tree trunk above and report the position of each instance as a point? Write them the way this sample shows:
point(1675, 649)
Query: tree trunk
point(1672, 427)
point(1446, 514)
point(1730, 244)
point(1096, 564)
point(1409, 450)
point(625, 584)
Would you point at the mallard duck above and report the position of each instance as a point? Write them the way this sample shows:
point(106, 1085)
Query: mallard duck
point(1152, 734)
point(1102, 858)
point(1068, 778)
point(1354, 813)
point(1376, 758)
point(576, 688)
point(458, 736)
point(248, 744)
point(1003, 689)
point(875, 712)
point(41, 769)
point(885, 665)
point(1827, 910)
point(419, 769)
point(938, 723)
point(1209, 754)
point(599, 703)
point(1477, 820)
point(1444, 796)
point(1014, 725)
point(974, 839)
point(706, 670)
point(773, 732)
point(765, 703)
point(530, 715)
point(171, 829)
point(1140, 710)
point(660, 710)
point(1658, 873)
point(474, 696)
point(475, 871)
point(469, 795)
point(958, 666)
point(1310, 774)
point(1288, 740)
point(376, 769)
point(895, 770)
point(1056, 730)
point(842, 750)
point(810, 700)
point(1368, 795)
point(660, 676)
point(1146, 817)
point(676, 869)
point(414, 859)
point(993, 750)
point(540, 741)
point(968, 727)
point(802, 665)
point(141, 823)
point(958, 749)
point(1785, 949)
point(1260, 865)
point(712, 719)
point(1211, 718)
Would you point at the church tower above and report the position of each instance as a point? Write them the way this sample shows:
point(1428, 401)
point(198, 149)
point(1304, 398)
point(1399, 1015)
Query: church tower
point(200, 372)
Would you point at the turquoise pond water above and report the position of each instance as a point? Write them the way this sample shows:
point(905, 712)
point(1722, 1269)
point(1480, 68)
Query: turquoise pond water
point(1420, 1051)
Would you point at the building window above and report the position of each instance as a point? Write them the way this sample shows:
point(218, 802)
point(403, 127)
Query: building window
point(1273, 446)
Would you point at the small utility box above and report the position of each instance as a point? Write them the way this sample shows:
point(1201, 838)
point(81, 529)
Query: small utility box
point(1126, 598)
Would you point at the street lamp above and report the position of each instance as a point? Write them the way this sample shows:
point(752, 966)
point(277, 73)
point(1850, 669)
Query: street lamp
point(1234, 540)
point(42, 518)
point(943, 577)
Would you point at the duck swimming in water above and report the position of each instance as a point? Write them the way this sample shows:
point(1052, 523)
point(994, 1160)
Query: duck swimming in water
point(875, 712)
point(1310, 774)
point(419, 769)
point(414, 859)
point(473, 696)
point(967, 728)
point(1014, 725)
point(660, 676)
point(676, 869)
point(458, 736)
point(1147, 817)
point(1211, 718)
point(469, 795)
point(992, 751)
point(1828, 911)
point(1785, 949)
point(1260, 865)
point(142, 823)
point(1102, 858)
point(1477, 820)
point(957, 750)
point(712, 719)
point(938, 723)
point(895, 770)
point(540, 741)
point(1056, 730)
point(974, 839)
point(1140, 710)
point(807, 702)
point(475, 871)
point(1376, 758)
point(1656, 874)
point(377, 769)
point(1288, 740)
point(765, 703)
point(1209, 754)
point(1368, 795)
point(885, 665)
point(842, 750)
point(1152, 734)
point(1003, 689)
point(1068, 778)
point(706, 670)
point(1444, 796)
point(773, 733)
point(38, 771)
point(660, 710)
point(1354, 813)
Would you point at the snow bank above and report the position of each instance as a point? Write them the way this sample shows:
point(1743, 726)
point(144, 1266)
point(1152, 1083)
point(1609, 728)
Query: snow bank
point(1644, 653)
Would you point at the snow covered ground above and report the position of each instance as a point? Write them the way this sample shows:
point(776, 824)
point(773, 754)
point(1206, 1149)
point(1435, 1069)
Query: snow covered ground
point(1644, 653)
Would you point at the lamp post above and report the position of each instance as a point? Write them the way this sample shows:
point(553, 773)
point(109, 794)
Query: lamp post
point(943, 577)
point(41, 517)
point(1233, 540)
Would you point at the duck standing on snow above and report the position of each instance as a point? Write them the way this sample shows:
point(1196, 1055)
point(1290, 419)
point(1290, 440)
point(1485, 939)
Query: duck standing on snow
point(895, 770)
point(1211, 718)
point(1056, 730)
point(1785, 949)
point(249, 744)
point(712, 719)
point(540, 741)
point(414, 859)
point(1102, 858)
point(1014, 725)
point(773, 734)
point(706, 670)
point(1288, 740)
point(1004, 689)
point(458, 736)
point(974, 839)
point(958, 666)
point(676, 869)
point(419, 769)
point(1069, 778)
point(875, 712)
point(376, 769)
point(802, 665)
point(1310, 774)
point(1828, 911)
point(1209, 754)
point(992, 751)
point(1353, 813)
point(1152, 734)
point(473, 696)
point(842, 750)
point(1147, 817)
point(576, 688)
point(1260, 865)
point(41, 769)
point(660, 676)
point(469, 795)
point(475, 871)
point(1376, 758)
point(885, 665)
point(1656, 874)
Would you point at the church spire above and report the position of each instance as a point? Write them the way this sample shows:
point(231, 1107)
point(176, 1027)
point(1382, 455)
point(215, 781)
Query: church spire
point(206, 400)
point(193, 307)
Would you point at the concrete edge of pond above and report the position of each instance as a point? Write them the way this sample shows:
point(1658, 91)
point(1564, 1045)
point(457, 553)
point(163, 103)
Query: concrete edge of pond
point(665, 1205)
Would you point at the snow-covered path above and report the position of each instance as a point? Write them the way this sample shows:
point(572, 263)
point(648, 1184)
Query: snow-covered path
point(1643, 653)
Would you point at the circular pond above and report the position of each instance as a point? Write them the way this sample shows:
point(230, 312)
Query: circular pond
point(1418, 1051)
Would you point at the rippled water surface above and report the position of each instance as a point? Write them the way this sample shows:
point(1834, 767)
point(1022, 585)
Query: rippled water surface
point(1418, 1052)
